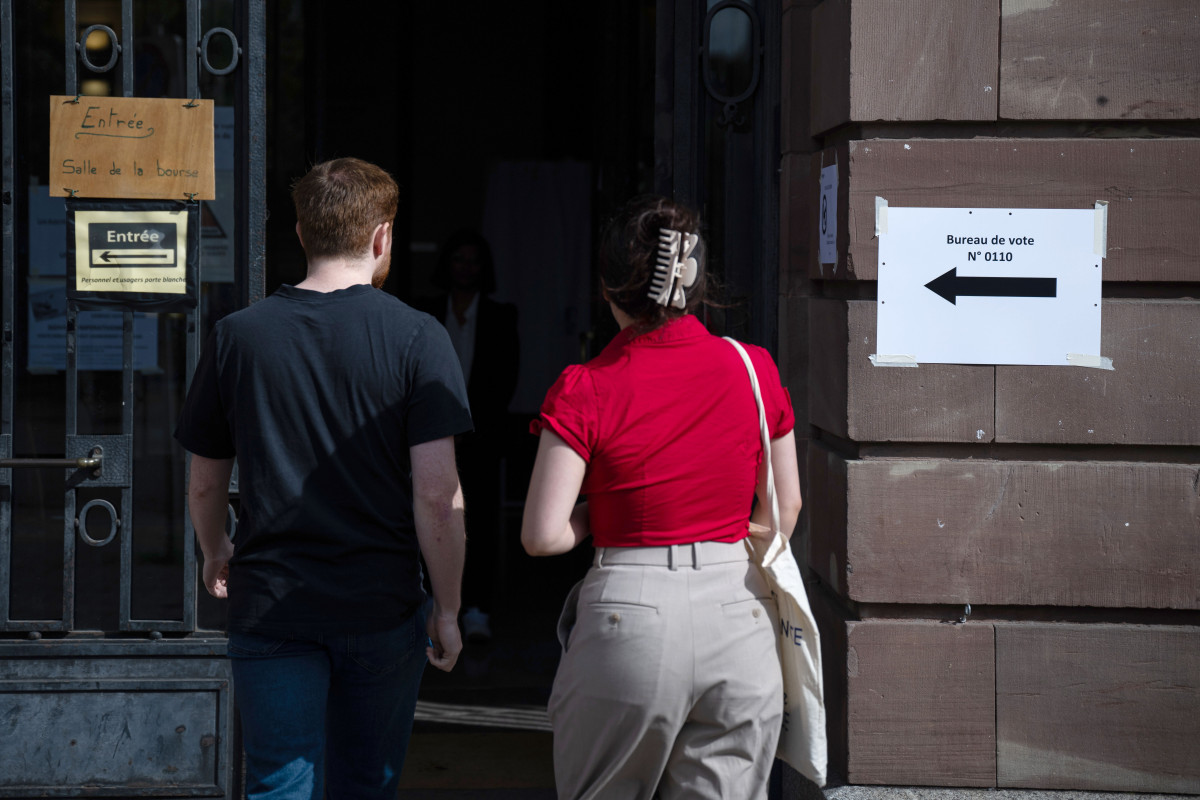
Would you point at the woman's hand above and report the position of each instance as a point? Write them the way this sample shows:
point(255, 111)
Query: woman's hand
point(553, 523)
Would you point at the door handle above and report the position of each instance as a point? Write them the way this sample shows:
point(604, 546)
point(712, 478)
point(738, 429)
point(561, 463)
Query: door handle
point(93, 461)
point(65, 463)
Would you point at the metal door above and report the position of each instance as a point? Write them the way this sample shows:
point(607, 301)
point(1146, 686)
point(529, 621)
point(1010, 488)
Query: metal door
point(113, 681)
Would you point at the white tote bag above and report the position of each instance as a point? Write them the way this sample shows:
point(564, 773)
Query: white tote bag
point(802, 743)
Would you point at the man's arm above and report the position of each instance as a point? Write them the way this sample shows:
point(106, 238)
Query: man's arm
point(438, 515)
point(208, 504)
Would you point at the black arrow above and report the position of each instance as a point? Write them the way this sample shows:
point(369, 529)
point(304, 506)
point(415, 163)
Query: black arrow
point(109, 255)
point(949, 286)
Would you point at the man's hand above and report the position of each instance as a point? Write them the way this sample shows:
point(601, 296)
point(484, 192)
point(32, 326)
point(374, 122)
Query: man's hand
point(443, 632)
point(216, 571)
point(208, 504)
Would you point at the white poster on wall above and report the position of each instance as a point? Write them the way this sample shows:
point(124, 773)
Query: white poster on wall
point(990, 286)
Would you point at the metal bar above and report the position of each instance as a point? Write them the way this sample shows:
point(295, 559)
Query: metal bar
point(51, 463)
point(193, 340)
point(127, 48)
point(71, 59)
point(189, 533)
point(252, 192)
point(9, 268)
point(126, 531)
point(194, 336)
point(190, 43)
point(72, 425)
point(8, 186)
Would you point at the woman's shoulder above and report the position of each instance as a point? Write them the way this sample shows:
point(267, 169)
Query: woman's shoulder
point(573, 380)
point(758, 354)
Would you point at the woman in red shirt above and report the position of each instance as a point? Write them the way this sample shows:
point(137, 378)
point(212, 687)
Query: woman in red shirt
point(669, 683)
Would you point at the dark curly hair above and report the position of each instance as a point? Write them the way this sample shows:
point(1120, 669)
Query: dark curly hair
point(629, 249)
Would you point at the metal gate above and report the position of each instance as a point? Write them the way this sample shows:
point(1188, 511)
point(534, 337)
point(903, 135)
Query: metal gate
point(113, 681)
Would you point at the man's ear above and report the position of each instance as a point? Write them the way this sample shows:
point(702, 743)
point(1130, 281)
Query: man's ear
point(299, 235)
point(381, 240)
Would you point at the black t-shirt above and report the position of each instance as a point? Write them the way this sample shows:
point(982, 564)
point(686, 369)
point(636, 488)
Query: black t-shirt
point(320, 396)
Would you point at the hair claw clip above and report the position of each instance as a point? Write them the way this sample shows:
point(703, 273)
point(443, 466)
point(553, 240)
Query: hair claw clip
point(675, 269)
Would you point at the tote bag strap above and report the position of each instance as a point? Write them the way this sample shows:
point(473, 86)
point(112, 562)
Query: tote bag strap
point(763, 432)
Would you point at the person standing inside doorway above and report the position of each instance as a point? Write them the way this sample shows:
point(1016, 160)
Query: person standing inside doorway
point(484, 333)
point(340, 404)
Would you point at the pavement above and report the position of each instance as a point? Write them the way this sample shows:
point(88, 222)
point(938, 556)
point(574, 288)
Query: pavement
point(927, 793)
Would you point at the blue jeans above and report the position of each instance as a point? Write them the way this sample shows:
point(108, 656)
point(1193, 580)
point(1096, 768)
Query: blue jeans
point(327, 715)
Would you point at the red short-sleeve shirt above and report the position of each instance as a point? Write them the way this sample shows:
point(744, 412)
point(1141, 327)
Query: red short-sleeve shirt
point(667, 424)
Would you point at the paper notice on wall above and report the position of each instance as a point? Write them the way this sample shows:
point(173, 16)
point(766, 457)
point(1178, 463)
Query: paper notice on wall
point(217, 222)
point(217, 217)
point(99, 339)
point(47, 233)
point(828, 223)
point(989, 286)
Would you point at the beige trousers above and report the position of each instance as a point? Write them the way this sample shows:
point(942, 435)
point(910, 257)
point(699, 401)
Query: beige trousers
point(669, 685)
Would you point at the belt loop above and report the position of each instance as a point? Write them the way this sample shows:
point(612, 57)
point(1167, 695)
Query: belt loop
point(673, 557)
point(697, 561)
point(600, 556)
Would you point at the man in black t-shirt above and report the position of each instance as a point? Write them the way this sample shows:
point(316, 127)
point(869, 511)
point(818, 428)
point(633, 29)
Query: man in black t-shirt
point(341, 405)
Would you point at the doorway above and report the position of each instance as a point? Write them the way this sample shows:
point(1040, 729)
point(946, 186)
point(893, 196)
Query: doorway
point(531, 123)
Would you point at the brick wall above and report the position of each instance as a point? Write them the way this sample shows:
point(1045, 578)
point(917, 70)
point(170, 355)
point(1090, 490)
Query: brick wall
point(1061, 503)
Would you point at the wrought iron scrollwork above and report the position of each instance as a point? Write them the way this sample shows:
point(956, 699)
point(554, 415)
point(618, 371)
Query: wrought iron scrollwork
point(233, 43)
point(81, 47)
point(731, 103)
point(113, 522)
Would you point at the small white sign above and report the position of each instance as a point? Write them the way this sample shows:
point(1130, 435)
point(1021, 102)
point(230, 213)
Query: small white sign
point(989, 286)
point(827, 232)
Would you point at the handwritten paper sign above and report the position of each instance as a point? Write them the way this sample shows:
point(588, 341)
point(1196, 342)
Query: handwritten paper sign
point(131, 147)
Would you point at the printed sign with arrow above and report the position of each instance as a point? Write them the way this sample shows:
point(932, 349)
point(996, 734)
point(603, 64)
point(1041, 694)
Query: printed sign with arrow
point(130, 256)
point(989, 285)
point(951, 286)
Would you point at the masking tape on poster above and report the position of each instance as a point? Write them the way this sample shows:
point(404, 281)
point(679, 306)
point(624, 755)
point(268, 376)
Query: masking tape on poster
point(881, 222)
point(1095, 362)
point(893, 360)
point(1100, 240)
